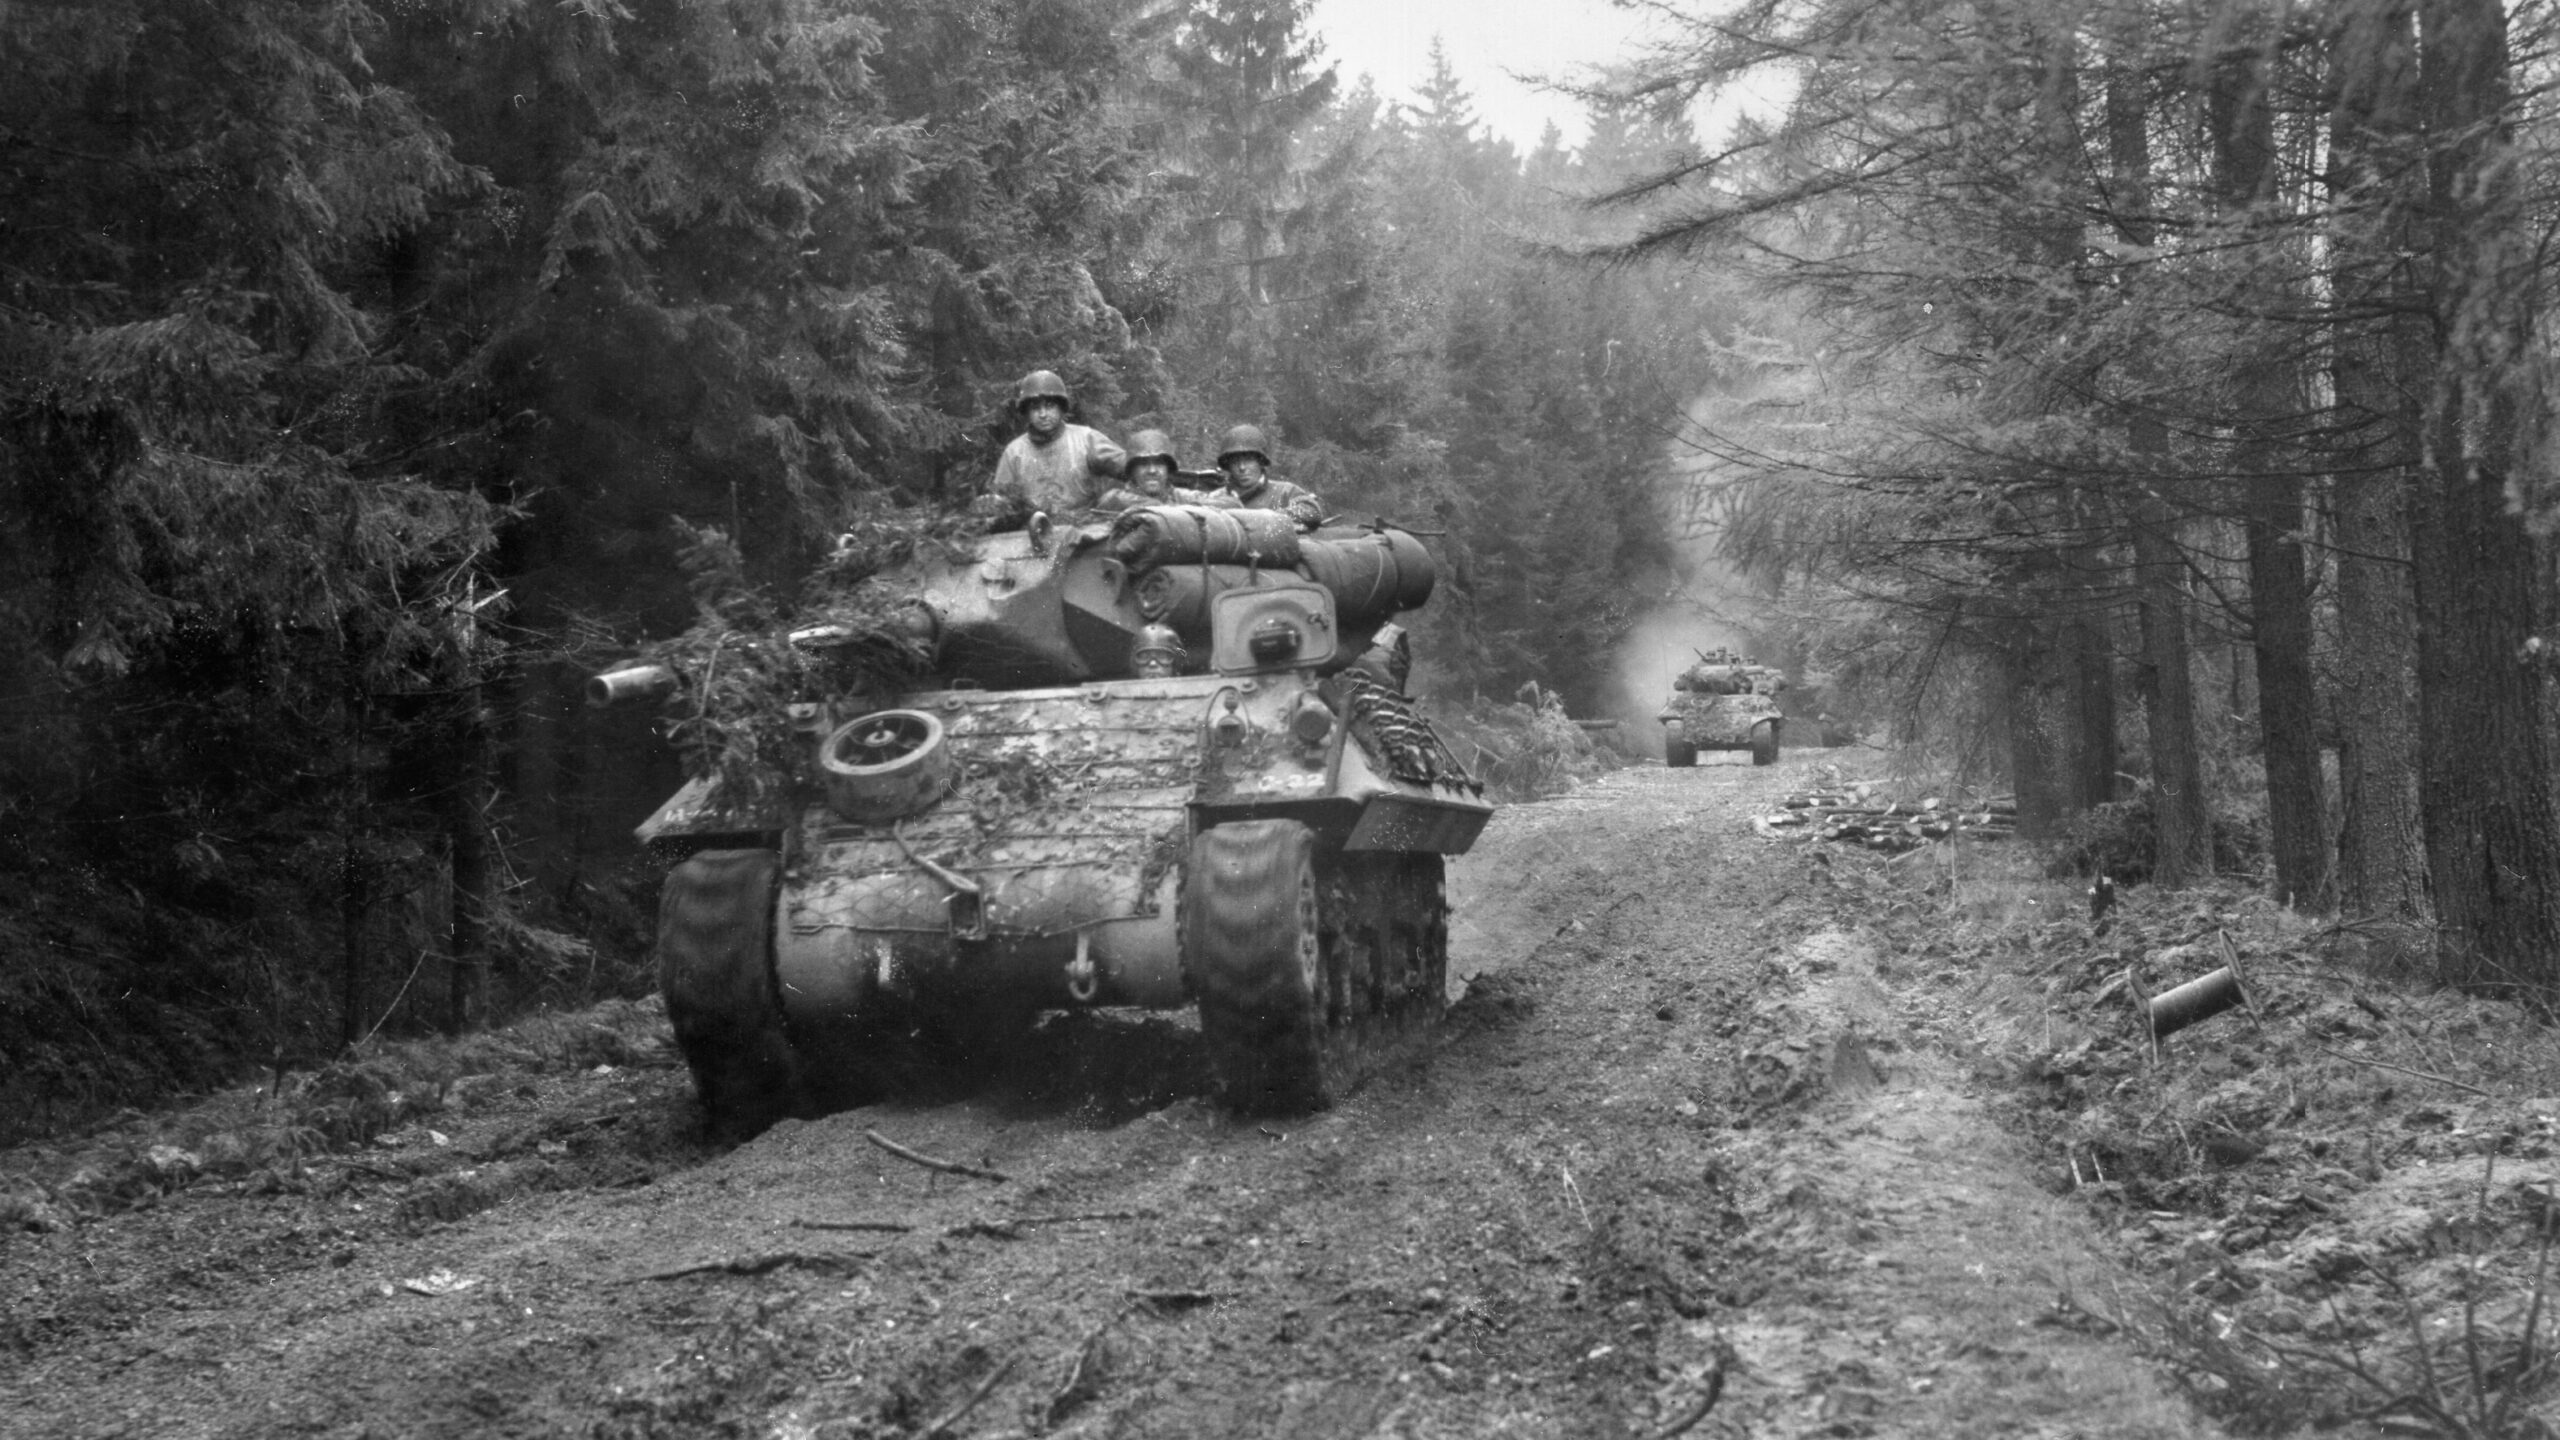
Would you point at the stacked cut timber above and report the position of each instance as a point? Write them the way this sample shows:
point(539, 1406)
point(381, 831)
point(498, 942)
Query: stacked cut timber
point(1858, 816)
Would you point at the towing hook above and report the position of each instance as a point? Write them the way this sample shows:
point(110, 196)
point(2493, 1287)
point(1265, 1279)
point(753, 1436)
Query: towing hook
point(1228, 726)
point(1083, 981)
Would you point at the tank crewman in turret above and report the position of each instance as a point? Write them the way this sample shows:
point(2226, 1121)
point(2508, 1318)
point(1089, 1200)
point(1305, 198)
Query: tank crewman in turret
point(1247, 464)
point(1052, 466)
point(1155, 476)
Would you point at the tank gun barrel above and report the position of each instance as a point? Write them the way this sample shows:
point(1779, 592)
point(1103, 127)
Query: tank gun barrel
point(629, 684)
point(914, 621)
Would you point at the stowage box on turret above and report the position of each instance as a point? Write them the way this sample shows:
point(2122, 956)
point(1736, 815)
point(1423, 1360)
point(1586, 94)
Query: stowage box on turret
point(1724, 702)
point(1165, 760)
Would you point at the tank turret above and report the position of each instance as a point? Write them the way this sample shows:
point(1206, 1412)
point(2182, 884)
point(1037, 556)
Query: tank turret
point(1162, 760)
point(1062, 605)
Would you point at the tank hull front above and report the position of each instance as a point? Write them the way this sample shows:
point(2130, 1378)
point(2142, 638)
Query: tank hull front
point(1721, 722)
point(1050, 874)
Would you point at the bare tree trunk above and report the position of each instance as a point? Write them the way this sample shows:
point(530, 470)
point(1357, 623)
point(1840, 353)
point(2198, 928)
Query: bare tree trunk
point(467, 797)
point(2084, 673)
point(2379, 348)
point(2280, 628)
point(2185, 836)
point(467, 839)
point(2267, 397)
point(2035, 761)
point(2094, 758)
point(2382, 858)
point(355, 856)
point(2485, 781)
point(2184, 823)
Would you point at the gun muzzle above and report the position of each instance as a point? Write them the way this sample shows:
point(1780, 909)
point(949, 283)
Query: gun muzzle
point(914, 621)
point(630, 683)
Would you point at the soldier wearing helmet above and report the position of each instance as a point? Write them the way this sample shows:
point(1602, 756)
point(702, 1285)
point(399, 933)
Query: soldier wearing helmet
point(1247, 465)
point(1052, 466)
point(1156, 477)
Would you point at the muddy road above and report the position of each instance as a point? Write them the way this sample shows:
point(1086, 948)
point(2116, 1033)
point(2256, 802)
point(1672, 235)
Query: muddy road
point(1670, 1167)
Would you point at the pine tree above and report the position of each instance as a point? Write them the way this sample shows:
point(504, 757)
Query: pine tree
point(1246, 88)
point(228, 586)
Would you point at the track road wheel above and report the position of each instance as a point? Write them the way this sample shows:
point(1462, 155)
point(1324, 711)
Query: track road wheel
point(715, 966)
point(1253, 942)
point(1764, 744)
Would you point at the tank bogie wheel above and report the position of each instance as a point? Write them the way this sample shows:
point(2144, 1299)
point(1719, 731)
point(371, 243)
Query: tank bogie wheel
point(715, 967)
point(1253, 945)
point(1679, 754)
point(1764, 744)
point(885, 765)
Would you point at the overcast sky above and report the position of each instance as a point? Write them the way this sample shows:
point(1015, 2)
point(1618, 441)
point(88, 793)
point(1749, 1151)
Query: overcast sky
point(1488, 41)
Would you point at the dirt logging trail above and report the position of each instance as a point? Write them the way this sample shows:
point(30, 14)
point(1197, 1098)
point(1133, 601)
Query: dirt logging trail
point(1667, 1168)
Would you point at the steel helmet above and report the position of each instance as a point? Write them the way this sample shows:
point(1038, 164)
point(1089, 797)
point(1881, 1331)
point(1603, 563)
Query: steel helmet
point(1152, 445)
point(1244, 440)
point(1041, 385)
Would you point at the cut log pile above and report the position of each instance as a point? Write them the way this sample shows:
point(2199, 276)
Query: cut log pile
point(1857, 815)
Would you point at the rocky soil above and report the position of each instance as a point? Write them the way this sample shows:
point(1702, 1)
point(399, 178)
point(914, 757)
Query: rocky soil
point(1725, 1136)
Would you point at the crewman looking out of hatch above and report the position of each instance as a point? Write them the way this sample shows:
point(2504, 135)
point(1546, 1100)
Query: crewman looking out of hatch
point(1052, 467)
point(1247, 463)
point(1156, 477)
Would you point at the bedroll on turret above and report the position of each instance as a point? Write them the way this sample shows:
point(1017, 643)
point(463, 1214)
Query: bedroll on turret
point(1153, 535)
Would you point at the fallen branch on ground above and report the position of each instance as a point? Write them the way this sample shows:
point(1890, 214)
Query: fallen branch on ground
point(896, 1225)
point(948, 1167)
point(1682, 1423)
point(960, 1411)
point(1083, 1380)
point(1175, 1299)
point(376, 1171)
point(756, 1265)
point(1074, 1216)
point(2404, 1070)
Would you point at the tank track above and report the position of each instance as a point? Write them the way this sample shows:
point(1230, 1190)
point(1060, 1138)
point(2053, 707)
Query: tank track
point(715, 967)
point(1312, 966)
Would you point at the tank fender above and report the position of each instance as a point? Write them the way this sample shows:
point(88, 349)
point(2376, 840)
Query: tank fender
point(703, 807)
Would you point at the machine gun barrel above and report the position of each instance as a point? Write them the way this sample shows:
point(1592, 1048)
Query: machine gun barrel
point(630, 683)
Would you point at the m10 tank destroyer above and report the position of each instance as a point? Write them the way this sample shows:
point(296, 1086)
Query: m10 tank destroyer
point(1163, 760)
point(1724, 702)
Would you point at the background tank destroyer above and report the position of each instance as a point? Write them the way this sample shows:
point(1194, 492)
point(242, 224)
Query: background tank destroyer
point(1724, 702)
point(1164, 760)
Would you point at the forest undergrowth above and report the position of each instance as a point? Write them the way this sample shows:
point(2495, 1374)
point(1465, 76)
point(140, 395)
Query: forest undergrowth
point(116, 1000)
point(2337, 1198)
point(1524, 749)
